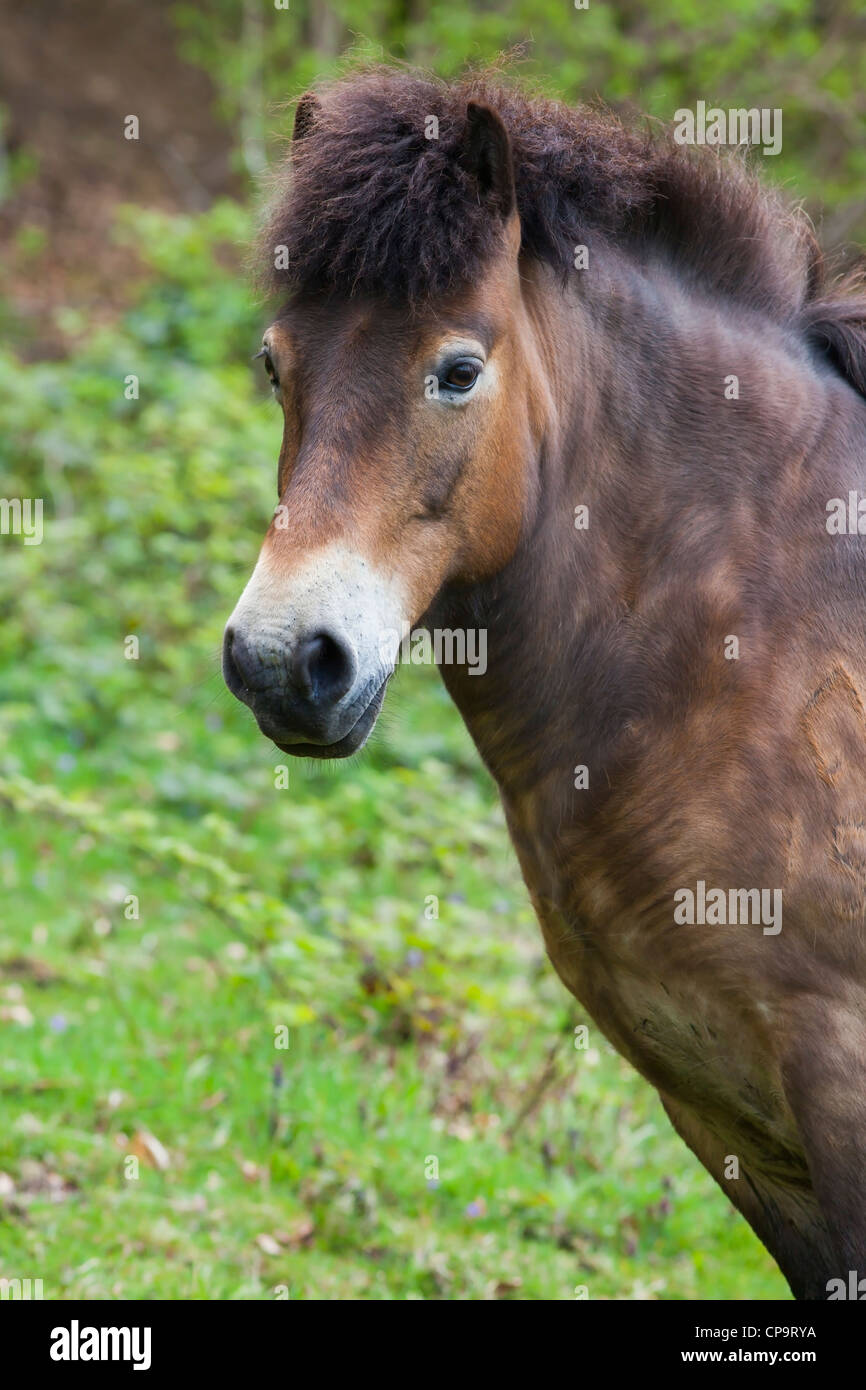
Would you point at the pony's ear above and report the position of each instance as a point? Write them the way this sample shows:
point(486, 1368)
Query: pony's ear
point(306, 112)
point(487, 156)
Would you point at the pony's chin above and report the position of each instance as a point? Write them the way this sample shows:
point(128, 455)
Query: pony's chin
point(349, 743)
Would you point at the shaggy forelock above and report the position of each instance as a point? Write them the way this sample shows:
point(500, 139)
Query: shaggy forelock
point(368, 203)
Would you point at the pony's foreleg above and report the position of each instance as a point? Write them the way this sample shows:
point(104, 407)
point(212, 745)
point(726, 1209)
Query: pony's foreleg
point(824, 1073)
point(783, 1212)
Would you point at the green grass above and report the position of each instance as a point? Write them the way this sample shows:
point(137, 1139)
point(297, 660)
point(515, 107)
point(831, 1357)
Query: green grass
point(414, 1040)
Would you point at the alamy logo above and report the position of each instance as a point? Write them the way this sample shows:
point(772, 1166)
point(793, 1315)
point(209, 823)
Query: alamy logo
point(22, 516)
point(855, 1289)
point(738, 907)
point(444, 645)
point(75, 1343)
point(847, 520)
point(739, 126)
point(21, 1288)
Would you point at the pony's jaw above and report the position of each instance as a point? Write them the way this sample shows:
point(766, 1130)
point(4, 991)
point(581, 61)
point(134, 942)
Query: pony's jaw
point(351, 742)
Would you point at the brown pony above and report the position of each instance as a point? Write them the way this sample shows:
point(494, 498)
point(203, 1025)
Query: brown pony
point(584, 391)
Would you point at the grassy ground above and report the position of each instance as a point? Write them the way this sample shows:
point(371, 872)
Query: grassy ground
point(170, 913)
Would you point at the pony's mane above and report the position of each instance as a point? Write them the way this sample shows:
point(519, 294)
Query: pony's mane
point(369, 203)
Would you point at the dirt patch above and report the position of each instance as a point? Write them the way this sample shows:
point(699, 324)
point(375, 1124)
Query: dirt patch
point(69, 76)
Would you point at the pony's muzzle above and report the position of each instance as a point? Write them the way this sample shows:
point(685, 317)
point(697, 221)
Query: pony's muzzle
point(305, 650)
point(301, 695)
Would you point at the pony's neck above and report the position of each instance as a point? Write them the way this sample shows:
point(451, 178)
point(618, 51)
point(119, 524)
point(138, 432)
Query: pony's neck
point(592, 628)
point(669, 397)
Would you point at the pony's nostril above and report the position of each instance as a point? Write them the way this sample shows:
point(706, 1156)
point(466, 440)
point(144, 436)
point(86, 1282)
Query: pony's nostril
point(234, 673)
point(324, 667)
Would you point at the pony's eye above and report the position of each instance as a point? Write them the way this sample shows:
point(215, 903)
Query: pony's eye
point(269, 366)
point(461, 375)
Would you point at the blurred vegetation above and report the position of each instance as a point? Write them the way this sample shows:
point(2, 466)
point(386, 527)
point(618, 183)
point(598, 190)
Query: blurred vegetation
point(166, 904)
point(806, 56)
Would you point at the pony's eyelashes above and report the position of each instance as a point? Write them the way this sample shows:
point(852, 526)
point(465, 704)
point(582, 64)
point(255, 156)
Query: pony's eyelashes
point(460, 375)
point(272, 375)
point(271, 370)
point(279, 355)
point(457, 373)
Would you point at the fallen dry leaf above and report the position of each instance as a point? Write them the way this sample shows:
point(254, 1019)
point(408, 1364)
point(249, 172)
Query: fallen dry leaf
point(148, 1148)
point(16, 1013)
point(301, 1232)
point(28, 967)
point(505, 1286)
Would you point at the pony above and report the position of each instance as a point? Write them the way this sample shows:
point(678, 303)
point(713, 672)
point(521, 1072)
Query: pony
point(571, 384)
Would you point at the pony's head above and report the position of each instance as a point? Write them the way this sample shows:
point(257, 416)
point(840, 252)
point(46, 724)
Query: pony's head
point(406, 379)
